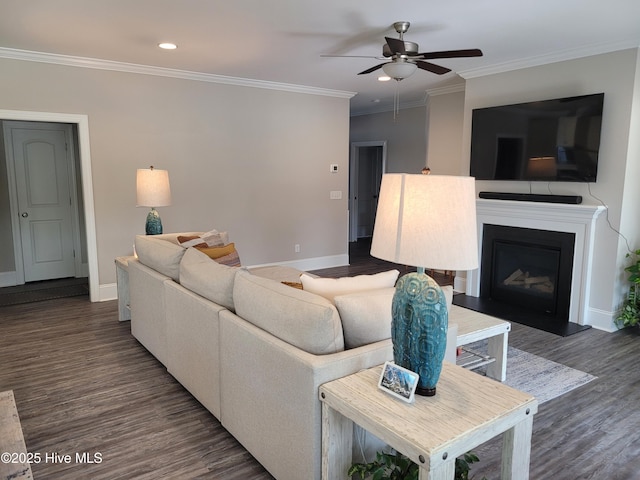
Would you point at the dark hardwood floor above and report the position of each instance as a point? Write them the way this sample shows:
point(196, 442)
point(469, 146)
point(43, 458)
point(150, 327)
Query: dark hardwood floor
point(83, 384)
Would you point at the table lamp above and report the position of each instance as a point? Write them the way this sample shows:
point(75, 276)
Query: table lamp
point(153, 190)
point(424, 221)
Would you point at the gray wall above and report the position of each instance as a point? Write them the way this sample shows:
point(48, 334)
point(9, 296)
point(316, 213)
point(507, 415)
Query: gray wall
point(405, 136)
point(619, 160)
point(251, 161)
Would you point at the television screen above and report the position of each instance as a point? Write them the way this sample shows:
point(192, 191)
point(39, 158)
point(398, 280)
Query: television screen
point(550, 140)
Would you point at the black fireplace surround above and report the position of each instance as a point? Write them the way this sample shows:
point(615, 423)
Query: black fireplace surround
point(528, 268)
point(526, 277)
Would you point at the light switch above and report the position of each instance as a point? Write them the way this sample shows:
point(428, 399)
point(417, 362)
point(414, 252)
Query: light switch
point(335, 194)
point(333, 168)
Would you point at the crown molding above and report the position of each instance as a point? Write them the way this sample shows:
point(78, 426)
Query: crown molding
point(98, 64)
point(554, 57)
point(457, 88)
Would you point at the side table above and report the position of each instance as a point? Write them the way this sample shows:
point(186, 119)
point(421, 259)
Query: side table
point(122, 277)
point(468, 410)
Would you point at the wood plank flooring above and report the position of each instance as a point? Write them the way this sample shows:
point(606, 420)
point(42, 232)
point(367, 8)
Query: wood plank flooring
point(84, 385)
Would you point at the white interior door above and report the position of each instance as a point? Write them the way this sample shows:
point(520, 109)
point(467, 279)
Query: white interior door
point(41, 168)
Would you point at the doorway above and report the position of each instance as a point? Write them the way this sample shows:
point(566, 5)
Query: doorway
point(45, 203)
point(86, 227)
point(368, 163)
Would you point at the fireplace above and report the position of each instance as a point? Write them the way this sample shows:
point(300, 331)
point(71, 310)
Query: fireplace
point(528, 269)
point(547, 240)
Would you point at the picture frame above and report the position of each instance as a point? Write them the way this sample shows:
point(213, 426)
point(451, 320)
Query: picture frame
point(398, 382)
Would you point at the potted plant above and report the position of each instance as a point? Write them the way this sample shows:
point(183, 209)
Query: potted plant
point(396, 466)
point(630, 314)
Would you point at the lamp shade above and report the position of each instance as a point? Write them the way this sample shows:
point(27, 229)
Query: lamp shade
point(399, 70)
point(427, 221)
point(152, 187)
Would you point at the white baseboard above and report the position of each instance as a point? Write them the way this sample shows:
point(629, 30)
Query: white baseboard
point(316, 263)
point(601, 320)
point(108, 292)
point(8, 279)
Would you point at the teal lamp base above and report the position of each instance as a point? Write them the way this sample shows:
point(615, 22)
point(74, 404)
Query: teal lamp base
point(419, 329)
point(154, 224)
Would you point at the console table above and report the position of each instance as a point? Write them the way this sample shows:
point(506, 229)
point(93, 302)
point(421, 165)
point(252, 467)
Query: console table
point(467, 410)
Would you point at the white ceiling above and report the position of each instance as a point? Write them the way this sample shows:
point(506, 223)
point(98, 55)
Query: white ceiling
point(282, 40)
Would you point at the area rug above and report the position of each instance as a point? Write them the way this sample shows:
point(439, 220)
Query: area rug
point(537, 376)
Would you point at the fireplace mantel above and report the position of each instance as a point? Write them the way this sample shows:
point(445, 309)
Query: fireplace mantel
point(577, 219)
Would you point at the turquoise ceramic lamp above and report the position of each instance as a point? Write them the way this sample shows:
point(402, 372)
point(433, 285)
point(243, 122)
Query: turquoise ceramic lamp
point(153, 190)
point(425, 221)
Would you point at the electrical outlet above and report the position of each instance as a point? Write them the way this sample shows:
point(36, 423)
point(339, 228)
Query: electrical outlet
point(333, 168)
point(296, 247)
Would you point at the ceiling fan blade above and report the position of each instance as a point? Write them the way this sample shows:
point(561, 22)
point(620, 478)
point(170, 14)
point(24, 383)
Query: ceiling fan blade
point(472, 52)
point(396, 45)
point(372, 69)
point(352, 56)
point(432, 67)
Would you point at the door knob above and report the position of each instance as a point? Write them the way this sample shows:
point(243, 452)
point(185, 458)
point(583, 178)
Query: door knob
point(24, 215)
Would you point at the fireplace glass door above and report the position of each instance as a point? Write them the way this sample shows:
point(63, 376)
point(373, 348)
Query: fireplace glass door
point(528, 268)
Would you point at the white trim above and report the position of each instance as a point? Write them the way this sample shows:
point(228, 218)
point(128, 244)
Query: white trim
point(8, 279)
point(316, 263)
point(87, 184)
point(108, 291)
point(577, 219)
point(457, 88)
point(98, 64)
point(554, 57)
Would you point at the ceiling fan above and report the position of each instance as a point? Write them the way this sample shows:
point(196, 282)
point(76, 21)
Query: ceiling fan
point(406, 58)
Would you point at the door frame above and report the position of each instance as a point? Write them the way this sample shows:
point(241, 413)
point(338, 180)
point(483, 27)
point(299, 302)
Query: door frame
point(353, 181)
point(84, 150)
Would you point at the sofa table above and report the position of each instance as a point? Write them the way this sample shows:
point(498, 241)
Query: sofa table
point(122, 278)
point(467, 410)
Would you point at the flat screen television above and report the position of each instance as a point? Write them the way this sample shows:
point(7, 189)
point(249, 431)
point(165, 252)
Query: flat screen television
point(550, 140)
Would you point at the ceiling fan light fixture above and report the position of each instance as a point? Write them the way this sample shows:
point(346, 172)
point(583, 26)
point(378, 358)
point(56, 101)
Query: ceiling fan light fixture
point(399, 70)
point(384, 78)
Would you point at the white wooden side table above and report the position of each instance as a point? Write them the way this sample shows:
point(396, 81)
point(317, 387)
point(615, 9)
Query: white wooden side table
point(474, 326)
point(468, 410)
point(122, 277)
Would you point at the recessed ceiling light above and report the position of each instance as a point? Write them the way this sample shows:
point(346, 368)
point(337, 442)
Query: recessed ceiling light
point(168, 46)
point(384, 78)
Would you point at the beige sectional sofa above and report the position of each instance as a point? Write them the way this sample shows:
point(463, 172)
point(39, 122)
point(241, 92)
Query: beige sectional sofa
point(254, 350)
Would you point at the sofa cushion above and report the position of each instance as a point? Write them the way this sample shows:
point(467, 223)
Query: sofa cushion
point(330, 287)
point(208, 278)
point(366, 316)
point(300, 318)
point(161, 253)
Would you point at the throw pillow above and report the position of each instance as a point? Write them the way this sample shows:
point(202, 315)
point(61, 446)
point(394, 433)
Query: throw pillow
point(366, 316)
point(330, 287)
point(217, 252)
point(231, 260)
point(212, 238)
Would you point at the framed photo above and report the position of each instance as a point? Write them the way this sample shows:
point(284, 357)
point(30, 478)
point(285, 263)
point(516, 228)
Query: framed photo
point(398, 381)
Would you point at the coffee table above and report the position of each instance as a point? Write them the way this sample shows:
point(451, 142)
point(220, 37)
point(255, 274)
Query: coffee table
point(467, 410)
point(474, 326)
